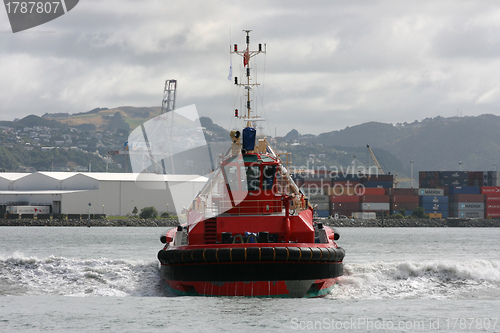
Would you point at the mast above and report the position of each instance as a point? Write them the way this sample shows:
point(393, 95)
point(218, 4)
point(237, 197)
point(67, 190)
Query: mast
point(246, 55)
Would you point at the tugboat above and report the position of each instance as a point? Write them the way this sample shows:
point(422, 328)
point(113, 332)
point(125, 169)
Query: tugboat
point(250, 230)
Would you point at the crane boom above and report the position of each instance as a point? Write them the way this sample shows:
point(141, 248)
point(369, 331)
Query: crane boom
point(377, 164)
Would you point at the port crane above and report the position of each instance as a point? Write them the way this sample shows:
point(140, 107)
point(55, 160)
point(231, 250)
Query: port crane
point(381, 171)
point(377, 164)
point(167, 104)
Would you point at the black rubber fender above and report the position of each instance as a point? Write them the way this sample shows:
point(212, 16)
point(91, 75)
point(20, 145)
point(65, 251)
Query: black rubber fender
point(187, 256)
point(238, 254)
point(340, 254)
point(267, 254)
point(253, 254)
point(281, 253)
point(224, 255)
point(333, 254)
point(316, 254)
point(295, 254)
point(197, 255)
point(177, 256)
point(210, 255)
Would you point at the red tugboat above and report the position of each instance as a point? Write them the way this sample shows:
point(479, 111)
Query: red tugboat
point(250, 230)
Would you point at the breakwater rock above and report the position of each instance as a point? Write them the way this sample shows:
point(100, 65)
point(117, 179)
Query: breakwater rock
point(93, 222)
point(413, 223)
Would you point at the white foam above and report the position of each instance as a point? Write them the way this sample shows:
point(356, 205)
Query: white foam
point(440, 279)
point(72, 277)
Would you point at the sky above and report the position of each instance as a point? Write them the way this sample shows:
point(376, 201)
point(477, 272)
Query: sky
point(328, 64)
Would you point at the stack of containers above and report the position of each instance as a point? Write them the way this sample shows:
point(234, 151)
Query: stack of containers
point(434, 202)
point(313, 186)
point(403, 198)
point(435, 179)
point(378, 181)
point(454, 178)
point(344, 205)
point(322, 205)
point(377, 203)
point(344, 199)
point(428, 179)
point(466, 202)
point(491, 178)
point(476, 178)
point(491, 201)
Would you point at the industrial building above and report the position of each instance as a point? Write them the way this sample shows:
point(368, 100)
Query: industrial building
point(96, 193)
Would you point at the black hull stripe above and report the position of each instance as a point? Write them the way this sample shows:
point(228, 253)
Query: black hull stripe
point(252, 271)
point(251, 254)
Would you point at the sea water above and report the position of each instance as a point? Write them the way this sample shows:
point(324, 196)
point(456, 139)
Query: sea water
point(76, 279)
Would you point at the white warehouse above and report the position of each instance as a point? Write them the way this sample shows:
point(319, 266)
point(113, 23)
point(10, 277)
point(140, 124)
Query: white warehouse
point(107, 193)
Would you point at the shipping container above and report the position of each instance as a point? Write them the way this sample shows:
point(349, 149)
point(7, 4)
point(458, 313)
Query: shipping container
point(454, 174)
point(490, 190)
point(321, 205)
point(444, 213)
point(317, 182)
point(378, 184)
point(478, 214)
point(430, 191)
point(353, 206)
point(433, 199)
point(319, 198)
point(404, 198)
point(364, 215)
point(404, 205)
point(375, 206)
point(28, 210)
point(492, 198)
point(468, 206)
point(403, 191)
point(495, 206)
point(312, 191)
point(450, 182)
point(436, 215)
point(371, 191)
point(321, 213)
point(344, 198)
point(464, 190)
point(493, 214)
point(430, 206)
point(339, 213)
point(374, 198)
point(467, 198)
point(341, 190)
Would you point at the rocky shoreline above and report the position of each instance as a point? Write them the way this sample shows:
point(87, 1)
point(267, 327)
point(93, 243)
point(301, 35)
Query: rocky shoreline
point(344, 223)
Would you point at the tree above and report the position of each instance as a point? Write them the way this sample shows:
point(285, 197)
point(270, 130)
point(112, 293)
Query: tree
point(134, 211)
point(402, 211)
point(148, 213)
point(419, 212)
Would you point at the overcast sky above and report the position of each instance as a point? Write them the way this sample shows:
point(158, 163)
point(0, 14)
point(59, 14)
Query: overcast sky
point(329, 64)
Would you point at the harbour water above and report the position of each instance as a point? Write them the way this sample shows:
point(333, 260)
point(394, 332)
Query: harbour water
point(75, 279)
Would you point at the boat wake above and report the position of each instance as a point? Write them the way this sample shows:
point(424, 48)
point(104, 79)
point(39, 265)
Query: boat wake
point(440, 279)
point(22, 275)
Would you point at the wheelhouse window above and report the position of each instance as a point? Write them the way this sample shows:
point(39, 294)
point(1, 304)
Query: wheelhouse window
point(253, 177)
point(268, 172)
point(232, 179)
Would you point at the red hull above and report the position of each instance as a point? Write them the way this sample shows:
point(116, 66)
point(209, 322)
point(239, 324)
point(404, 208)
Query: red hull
point(317, 288)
